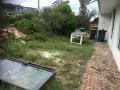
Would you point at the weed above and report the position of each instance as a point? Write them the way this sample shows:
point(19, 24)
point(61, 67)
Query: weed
point(73, 58)
point(16, 48)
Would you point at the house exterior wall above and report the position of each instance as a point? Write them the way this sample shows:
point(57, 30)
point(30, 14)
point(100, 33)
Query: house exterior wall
point(106, 22)
point(113, 42)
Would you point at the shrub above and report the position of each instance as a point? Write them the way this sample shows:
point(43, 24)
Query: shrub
point(82, 21)
point(12, 18)
point(58, 20)
point(24, 25)
point(16, 48)
point(28, 15)
point(37, 36)
point(4, 20)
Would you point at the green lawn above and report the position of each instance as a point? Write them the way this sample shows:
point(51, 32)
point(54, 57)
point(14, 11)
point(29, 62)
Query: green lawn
point(68, 60)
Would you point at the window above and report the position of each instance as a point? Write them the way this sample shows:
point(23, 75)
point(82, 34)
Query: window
point(114, 13)
point(119, 43)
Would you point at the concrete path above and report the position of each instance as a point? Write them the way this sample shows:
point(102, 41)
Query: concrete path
point(101, 71)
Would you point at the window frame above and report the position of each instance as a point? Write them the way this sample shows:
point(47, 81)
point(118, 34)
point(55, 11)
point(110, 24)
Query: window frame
point(119, 44)
point(113, 22)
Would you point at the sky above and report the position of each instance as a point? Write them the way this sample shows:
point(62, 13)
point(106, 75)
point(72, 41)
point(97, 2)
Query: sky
point(33, 3)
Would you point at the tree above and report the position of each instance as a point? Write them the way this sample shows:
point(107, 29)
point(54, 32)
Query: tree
point(58, 2)
point(68, 23)
point(83, 8)
point(82, 21)
point(92, 14)
point(96, 20)
point(59, 20)
point(85, 15)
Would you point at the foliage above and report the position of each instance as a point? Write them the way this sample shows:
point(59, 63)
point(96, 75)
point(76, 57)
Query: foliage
point(53, 85)
point(96, 20)
point(72, 56)
point(82, 21)
point(92, 13)
point(14, 18)
point(64, 8)
point(58, 20)
point(85, 14)
point(4, 20)
point(16, 48)
point(25, 25)
point(83, 7)
point(50, 21)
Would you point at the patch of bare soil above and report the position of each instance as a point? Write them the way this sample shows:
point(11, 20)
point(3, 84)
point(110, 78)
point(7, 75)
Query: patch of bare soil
point(101, 72)
point(67, 71)
point(13, 30)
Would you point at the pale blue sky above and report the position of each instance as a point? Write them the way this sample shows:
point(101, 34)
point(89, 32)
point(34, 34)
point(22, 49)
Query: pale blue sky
point(33, 3)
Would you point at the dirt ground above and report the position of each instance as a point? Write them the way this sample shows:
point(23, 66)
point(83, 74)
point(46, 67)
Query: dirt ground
point(101, 71)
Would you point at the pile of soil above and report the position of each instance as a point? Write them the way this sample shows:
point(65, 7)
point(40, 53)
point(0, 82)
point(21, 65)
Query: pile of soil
point(13, 30)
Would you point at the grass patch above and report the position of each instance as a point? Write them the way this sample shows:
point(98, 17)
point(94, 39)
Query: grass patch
point(69, 65)
point(16, 48)
point(53, 85)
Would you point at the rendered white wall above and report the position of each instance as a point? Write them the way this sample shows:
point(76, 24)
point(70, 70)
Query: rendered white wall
point(105, 22)
point(116, 34)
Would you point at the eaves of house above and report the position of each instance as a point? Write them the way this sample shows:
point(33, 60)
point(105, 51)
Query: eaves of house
point(107, 6)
